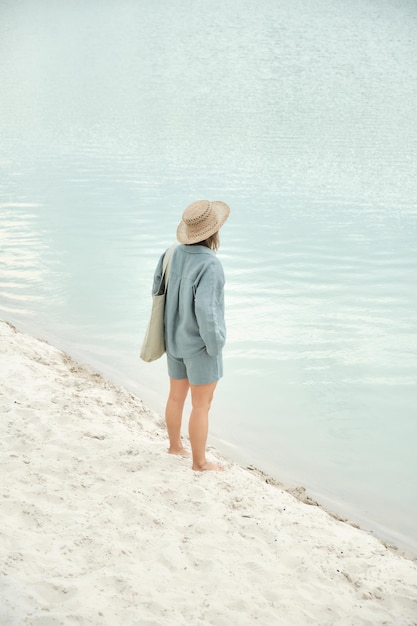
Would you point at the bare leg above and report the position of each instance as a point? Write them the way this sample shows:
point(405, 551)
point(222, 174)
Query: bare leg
point(173, 414)
point(201, 397)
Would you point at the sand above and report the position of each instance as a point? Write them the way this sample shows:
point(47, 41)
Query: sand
point(99, 525)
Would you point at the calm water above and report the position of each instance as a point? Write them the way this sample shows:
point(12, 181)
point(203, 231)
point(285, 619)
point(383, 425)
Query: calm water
point(303, 117)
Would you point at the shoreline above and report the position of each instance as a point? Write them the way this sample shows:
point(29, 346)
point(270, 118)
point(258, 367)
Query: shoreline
point(99, 519)
point(394, 536)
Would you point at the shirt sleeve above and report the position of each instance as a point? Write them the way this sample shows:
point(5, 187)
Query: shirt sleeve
point(209, 308)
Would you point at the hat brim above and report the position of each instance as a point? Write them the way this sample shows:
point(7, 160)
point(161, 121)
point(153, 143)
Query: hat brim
point(222, 211)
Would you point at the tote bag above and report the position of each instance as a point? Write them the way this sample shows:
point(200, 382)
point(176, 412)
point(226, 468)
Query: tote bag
point(153, 346)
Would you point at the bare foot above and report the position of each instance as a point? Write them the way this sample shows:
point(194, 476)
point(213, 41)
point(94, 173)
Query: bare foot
point(208, 467)
point(179, 451)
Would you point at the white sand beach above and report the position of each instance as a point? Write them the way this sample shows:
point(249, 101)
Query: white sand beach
point(99, 525)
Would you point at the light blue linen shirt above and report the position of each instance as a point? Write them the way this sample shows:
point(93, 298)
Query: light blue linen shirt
point(194, 305)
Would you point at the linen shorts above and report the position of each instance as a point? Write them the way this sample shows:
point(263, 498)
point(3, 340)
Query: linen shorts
point(200, 369)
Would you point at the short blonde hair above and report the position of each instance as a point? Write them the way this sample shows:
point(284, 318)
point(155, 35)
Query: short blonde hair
point(212, 242)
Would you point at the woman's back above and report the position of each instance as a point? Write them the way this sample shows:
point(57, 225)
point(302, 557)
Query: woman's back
point(194, 308)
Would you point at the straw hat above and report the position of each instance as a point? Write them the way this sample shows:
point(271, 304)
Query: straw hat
point(202, 219)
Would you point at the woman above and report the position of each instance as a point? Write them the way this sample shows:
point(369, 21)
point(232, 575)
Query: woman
point(195, 329)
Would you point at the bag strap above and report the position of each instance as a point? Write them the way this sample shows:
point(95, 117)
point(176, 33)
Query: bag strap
point(166, 266)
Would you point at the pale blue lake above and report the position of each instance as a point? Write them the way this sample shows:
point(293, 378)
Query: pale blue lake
point(303, 118)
